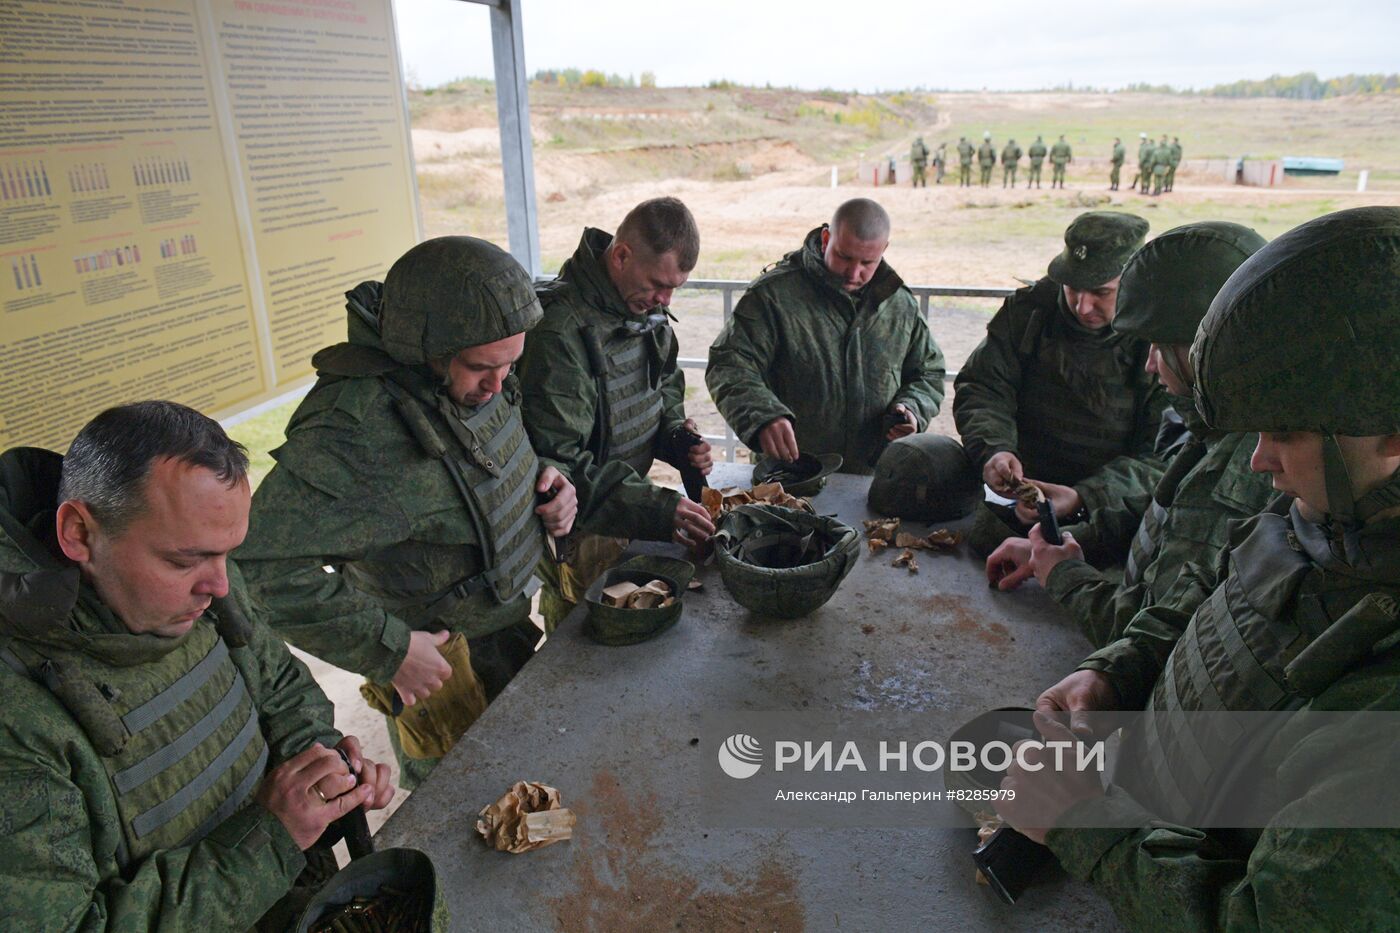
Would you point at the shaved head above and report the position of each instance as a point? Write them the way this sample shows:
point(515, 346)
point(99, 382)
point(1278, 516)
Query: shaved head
point(862, 219)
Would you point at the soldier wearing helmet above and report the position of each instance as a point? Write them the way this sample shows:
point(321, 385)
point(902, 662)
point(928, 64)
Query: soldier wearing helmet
point(1299, 345)
point(408, 472)
point(1166, 289)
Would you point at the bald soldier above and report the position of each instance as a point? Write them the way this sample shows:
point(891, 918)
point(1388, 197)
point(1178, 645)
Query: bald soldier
point(986, 159)
point(827, 352)
point(1036, 153)
point(1010, 156)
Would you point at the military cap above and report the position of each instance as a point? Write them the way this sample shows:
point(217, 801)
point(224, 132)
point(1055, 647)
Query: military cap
point(1168, 285)
point(1304, 336)
point(925, 477)
point(454, 292)
point(611, 625)
point(805, 476)
point(1097, 246)
point(781, 562)
point(406, 875)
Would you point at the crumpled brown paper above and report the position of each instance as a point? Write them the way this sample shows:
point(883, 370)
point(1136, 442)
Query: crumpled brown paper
point(527, 817)
point(987, 826)
point(906, 559)
point(626, 595)
point(719, 501)
point(1028, 492)
point(881, 533)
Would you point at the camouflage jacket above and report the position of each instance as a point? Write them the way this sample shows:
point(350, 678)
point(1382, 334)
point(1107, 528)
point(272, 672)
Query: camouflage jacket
point(1074, 405)
point(1037, 152)
point(1119, 154)
point(1175, 153)
point(918, 153)
point(1060, 153)
point(1208, 486)
point(64, 863)
point(353, 490)
point(560, 399)
point(986, 154)
point(1010, 155)
point(798, 346)
point(1145, 149)
point(1165, 877)
point(966, 153)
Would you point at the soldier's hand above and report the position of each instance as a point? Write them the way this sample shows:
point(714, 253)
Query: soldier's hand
point(1003, 472)
point(1010, 564)
point(692, 524)
point(778, 439)
point(1040, 794)
point(424, 669)
point(910, 425)
point(374, 775)
point(1045, 556)
point(1063, 499)
point(559, 512)
point(1080, 694)
point(294, 793)
point(700, 455)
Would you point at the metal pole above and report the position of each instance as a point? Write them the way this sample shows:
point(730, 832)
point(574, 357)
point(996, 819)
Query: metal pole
point(513, 113)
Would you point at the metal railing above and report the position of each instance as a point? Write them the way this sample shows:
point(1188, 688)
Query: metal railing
point(729, 287)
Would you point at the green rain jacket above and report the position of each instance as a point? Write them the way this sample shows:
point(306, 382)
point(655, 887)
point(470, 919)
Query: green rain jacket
point(1074, 405)
point(65, 862)
point(1207, 486)
point(561, 398)
point(1037, 152)
point(353, 489)
point(1060, 153)
point(798, 346)
point(1161, 876)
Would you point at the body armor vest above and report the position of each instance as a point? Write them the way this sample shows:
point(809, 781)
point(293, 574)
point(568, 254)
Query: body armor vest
point(633, 404)
point(193, 750)
point(1078, 402)
point(1149, 533)
point(1234, 656)
point(490, 461)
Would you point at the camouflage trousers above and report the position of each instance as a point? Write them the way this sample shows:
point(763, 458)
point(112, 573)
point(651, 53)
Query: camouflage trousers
point(1033, 175)
point(964, 176)
point(1008, 176)
point(1057, 174)
point(1114, 175)
point(1171, 178)
point(986, 177)
point(920, 176)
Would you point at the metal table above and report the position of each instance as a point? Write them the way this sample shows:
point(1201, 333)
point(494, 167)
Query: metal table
point(613, 729)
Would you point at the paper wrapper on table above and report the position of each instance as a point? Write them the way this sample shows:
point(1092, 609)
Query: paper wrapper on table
point(527, 817)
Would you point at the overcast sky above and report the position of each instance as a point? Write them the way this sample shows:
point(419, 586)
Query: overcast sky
point(968, 44)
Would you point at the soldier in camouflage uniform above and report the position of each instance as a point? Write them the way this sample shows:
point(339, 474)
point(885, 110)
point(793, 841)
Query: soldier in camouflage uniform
point(1037, 156)
point(164, 760)
point(1171, 165)
point(918, 158)
point(1144, 158)
point(1010, 156)
point(1300, 345)
point(1053, 394)
point(1166, 289)
point(940, 163)
point(604, 428)
point(827, 351)
point(1161, 161)
point(408, 471)
point(966, 153)
point(1060, 156)
point(986, 159)
point(1116, 160)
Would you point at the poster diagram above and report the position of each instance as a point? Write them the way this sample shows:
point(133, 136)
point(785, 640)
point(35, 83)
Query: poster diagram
point(187, 189)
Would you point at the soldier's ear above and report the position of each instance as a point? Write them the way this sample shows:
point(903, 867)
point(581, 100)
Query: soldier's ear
point(826, 238)
point(75, 527)
point(620, 255)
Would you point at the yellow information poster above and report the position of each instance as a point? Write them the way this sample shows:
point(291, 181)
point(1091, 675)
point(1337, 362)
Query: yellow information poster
point(187, 188)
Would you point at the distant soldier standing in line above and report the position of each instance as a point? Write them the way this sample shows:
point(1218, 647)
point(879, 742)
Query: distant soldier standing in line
point(1037, 156)
point(1175, 161)
point(965, 154)
point(1060, 156)
point(1161, 160)
point(1010, 156)
point(1144, 163)
point(1117, 161)
point(940, 163)
point(918, 157)
point(986, 159)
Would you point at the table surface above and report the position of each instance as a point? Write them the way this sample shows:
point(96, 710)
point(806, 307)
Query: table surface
point(612, 728)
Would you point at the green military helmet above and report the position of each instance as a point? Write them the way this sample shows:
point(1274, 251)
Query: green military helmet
point(783, 563)
point(398, 885)
point(609, 625)
point(1098, 245)
point(1168, 285)
point(1305, 335)
point(805, 476)
point(454, 292)
point(925, 477)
